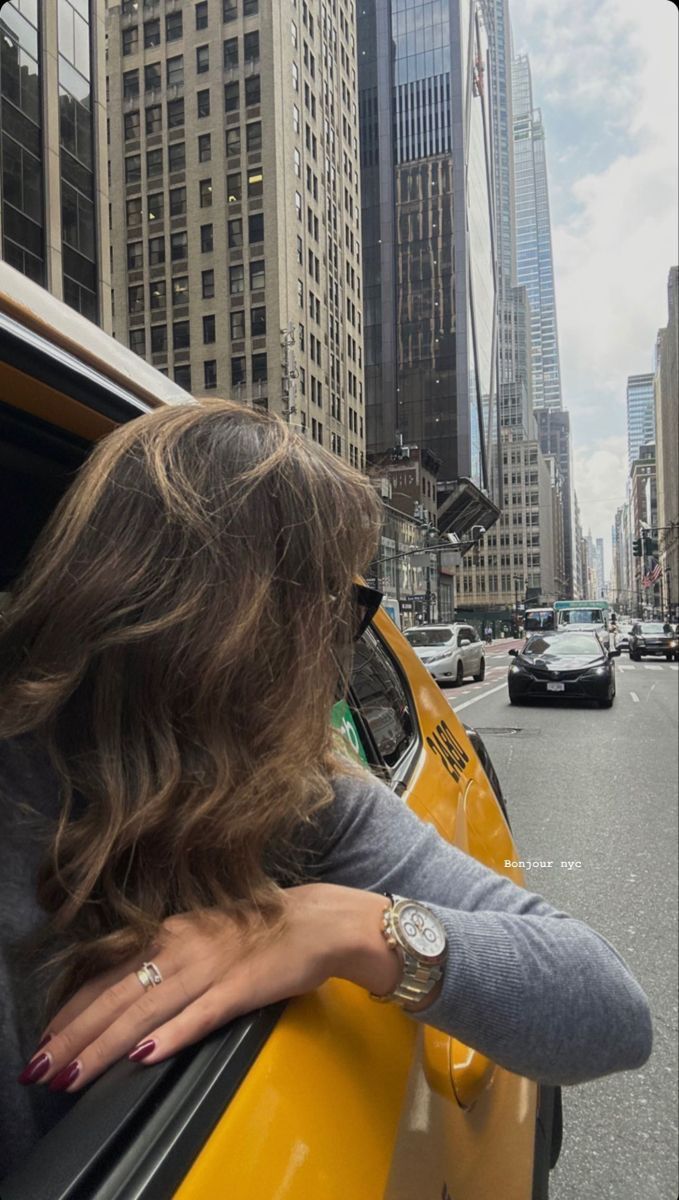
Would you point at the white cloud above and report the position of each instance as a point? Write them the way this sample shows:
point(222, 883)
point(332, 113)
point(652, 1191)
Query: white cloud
point(605, 75)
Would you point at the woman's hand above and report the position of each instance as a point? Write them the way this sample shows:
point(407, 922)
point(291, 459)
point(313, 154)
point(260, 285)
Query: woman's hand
point(213, 970)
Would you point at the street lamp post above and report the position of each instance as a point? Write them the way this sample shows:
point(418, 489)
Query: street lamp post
point(518, 581)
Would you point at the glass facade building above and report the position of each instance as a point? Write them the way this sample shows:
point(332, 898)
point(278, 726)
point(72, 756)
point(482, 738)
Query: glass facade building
point(429, 254)
point(52, 123)
point(640, 414)
point(534, 260)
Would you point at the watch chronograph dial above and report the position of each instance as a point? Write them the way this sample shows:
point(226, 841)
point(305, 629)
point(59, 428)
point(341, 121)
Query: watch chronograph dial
point(423, 932)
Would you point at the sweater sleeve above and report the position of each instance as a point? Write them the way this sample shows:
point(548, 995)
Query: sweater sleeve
point(536, 990)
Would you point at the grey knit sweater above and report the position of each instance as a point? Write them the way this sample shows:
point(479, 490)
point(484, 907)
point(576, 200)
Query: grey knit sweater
point(534, 989)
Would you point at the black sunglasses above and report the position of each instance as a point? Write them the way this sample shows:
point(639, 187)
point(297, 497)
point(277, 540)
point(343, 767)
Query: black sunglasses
point(367, 600)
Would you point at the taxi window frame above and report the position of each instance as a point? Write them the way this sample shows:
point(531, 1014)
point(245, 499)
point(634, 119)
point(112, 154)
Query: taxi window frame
point(399, 773)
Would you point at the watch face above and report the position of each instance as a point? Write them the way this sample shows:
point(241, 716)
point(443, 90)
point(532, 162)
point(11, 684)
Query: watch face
point(422, 931)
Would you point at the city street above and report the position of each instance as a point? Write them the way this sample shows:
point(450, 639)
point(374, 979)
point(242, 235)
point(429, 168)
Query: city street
point(598, 789)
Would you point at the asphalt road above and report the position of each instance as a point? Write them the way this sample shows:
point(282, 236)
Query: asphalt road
point(598, 788)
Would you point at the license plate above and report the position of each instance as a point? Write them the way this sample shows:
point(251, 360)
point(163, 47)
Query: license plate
point(556, 687)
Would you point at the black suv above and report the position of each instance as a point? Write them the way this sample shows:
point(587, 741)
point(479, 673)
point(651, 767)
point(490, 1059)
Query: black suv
point(653, 637)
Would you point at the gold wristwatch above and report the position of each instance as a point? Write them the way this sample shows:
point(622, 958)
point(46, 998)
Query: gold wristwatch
point(418, 937)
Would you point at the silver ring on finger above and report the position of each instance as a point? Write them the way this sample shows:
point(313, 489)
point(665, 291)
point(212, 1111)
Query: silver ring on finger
point(149, 976)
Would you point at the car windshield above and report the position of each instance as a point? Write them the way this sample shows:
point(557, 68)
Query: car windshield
point(429, 637)
point(652, 627)
point(565, 644)
point(582, 616)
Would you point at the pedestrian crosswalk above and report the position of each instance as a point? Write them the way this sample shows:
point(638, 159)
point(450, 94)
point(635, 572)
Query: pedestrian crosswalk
point(649, 667)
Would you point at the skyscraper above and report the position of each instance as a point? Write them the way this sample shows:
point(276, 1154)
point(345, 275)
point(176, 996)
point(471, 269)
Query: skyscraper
point(534, 261)
point(236, 204)
point(53, 218)
point(640, 414)
point(429, 261)
point(554, 434)
point(666, 422)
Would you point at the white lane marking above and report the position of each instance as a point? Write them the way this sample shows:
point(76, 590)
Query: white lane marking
point(652, 667)
point(634, 697)
point(627, 668)
point(673, 666)
point(481, 696)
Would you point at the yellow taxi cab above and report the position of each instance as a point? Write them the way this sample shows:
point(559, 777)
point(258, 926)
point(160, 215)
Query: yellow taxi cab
point(330, 1096)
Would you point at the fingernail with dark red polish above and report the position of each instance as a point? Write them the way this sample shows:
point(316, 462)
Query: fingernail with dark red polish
point(37, 1067)
point(47, 1038)
point(142, 1050)
point(65, 1078)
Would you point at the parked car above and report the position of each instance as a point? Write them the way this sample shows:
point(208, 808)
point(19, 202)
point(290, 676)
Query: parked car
point(323, 1096)
point(449, 652)
point(652, 637)
point(559, 666)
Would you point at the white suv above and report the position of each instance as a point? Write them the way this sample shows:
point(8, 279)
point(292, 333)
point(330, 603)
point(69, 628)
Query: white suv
point(449, 652)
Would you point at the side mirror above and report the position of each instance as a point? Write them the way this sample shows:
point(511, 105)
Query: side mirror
point(465, 642)
point(614, 653)
point(513, 653)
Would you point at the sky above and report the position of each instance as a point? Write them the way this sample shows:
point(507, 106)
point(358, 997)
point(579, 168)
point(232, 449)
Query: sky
point(605, 76)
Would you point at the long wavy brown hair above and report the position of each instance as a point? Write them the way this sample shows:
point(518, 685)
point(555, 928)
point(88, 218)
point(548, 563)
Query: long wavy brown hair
point(175, 641)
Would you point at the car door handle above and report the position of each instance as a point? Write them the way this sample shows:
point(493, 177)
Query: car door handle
point(450, 1067)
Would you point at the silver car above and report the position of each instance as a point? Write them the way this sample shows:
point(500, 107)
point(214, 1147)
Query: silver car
point(449, 652)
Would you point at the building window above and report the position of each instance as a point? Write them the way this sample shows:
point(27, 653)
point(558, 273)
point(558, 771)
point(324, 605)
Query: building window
point(157, 294)
point(255, 184)
point(203, 103)
point(181, 339)
point(210, 374)
point(175, 71)
point(133, 211)
point(257, 275)
point(154, 163)
point(251, 46)
point(209, 330)
point(175, 113)
point(205, 193)
point(253, 134)
point(159, 339)
point(235, 233)
point(178, 245)
point(151, 34)
point(300, 293)
point(297, 161)
point(132, 125)
point(293, 34)
point(201, 15)
point(295, 119)
point(206, 239)
point(173, 26)
point(300, 250)
point(135, 256)
point(154, 119)
point(135, 298)
point(237, 325)
point(130, 86)
point(208, 284)
point(256, 228)
point(232, 142)
point(234, 187)
point(152, 77)
point(259, 368)
point(250, 8)
point(176, 154)
point(156, 251)
point(133, 168)
point(138, 341)
point(231, 97)
point(202, 59)
point(237, 371)
point(155, 205)
point(231, 52)
point(253, 92)
point(182, 376)
point(204, 148)
point(177, 201)
point(236, 280)
point(229, 10)
point(298, 206)
point(258, 322)
point(295, 77)
point(130, 40)
point(180, 290)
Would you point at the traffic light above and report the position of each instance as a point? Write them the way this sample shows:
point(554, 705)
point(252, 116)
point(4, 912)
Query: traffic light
point(636, 548)
point(650, 545)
